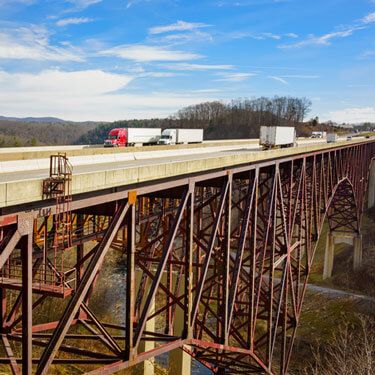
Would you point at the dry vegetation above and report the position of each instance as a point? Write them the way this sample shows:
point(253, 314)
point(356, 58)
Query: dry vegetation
point(350, 351)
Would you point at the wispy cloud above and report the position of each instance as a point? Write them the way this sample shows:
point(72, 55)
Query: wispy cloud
point(131, 3)
point(12, 2)
point(353, 115)
point(367, 54)
point(194, 36)
point(235, 77)
point(32, 43)
point(248, 3)
point(300, 76)
point(325, 39)
point(83, 4)
point(178, 26)
point(198, 67)
point(73, 21)
point(263, 36)
point(370, 18)
point(279, 79)
point(146, 53)
point(291, 35)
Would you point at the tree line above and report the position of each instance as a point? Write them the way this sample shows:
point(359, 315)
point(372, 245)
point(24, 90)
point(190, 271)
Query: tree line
point(240, 118)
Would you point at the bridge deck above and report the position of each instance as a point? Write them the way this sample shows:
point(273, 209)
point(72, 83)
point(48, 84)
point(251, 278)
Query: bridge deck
point(26, 186)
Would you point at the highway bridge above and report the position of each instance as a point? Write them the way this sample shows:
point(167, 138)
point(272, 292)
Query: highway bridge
point(217, 242)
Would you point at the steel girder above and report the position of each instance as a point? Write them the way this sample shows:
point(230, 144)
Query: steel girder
point(227, 253)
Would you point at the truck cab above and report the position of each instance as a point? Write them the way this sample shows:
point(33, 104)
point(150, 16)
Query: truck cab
point(168, 137)
point(116, 138)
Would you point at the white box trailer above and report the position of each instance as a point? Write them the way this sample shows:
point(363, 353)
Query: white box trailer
point(331, 137)
point(277, 136)
point(143, 135)
point(181, 136)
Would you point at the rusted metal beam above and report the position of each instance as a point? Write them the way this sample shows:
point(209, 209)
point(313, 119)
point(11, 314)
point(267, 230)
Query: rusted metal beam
point(87, 279)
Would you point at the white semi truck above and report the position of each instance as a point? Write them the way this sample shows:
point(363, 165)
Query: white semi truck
point(277, 137)
point(181, 136)
point(331, 137)
point(319, 134)
point(123, 137)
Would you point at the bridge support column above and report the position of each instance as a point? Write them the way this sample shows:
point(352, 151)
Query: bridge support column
point(147, 367)
point(357, 255)
point(371, 187)
point(354, 239)
point(328, 256)
point(179, 360)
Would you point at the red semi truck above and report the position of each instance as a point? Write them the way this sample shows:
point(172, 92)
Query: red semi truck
point(123, 137)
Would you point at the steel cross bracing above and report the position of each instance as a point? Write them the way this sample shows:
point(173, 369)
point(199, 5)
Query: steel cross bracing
point(230, 251)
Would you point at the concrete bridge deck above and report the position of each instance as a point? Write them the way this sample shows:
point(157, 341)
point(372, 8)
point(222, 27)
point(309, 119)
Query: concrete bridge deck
point(25, 186)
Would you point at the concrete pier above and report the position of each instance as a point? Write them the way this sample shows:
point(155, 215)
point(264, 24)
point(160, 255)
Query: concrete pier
point(179, 361)
point(146, 367)
point(371, 187)
point(333, 238)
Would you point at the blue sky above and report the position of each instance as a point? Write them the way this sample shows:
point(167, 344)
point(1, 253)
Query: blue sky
point(121, 59)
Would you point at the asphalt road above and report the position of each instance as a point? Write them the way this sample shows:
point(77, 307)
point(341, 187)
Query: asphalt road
point(176, 157)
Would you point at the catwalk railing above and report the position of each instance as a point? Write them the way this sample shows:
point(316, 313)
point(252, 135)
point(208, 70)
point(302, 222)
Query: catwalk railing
point(227, 253)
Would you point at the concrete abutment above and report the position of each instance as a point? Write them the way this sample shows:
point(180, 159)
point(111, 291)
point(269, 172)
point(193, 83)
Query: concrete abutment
point(333, 238)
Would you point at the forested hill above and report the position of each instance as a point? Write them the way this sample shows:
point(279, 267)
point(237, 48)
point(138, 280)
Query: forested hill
point(15, 133)
point(240, 118)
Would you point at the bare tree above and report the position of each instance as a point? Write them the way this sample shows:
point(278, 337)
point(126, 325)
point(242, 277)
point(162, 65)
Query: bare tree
point(351, 351)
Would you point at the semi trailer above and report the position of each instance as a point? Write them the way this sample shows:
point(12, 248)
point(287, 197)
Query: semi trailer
point(331, 137)
point(123, 137)
point(277, 137)
point(181, 136)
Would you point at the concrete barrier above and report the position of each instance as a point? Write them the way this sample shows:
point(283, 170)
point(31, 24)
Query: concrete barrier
point(27, 153)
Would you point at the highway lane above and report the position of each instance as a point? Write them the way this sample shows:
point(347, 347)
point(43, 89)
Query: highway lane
point(151, 160)
point(88, 168)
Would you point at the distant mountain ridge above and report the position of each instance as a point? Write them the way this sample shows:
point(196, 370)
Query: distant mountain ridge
point(35, 119)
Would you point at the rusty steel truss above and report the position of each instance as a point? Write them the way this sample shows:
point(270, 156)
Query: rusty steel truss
point(226, 252)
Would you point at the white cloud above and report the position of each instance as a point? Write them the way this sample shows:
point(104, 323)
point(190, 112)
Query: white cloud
point(75, 83)
point(194, 36)
point(300, 76)
point(263, 36)
point(325, 39)
point(73, 21)
point(130, 3)
point(83, 4)
point(12, 2)
point(247, 3)
point(367, 54)
point(197, 67)
point(291, 35)
point(235, 77)
point(31, 43)
point(353, 115)
point(178, 26)
point(279, 79)
point(145, 53)
point(370, 18)
point(85, 95)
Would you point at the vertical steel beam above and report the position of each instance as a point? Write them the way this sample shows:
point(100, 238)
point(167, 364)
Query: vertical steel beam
point(27, 301)
point(130, 283)
point(188, 284)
